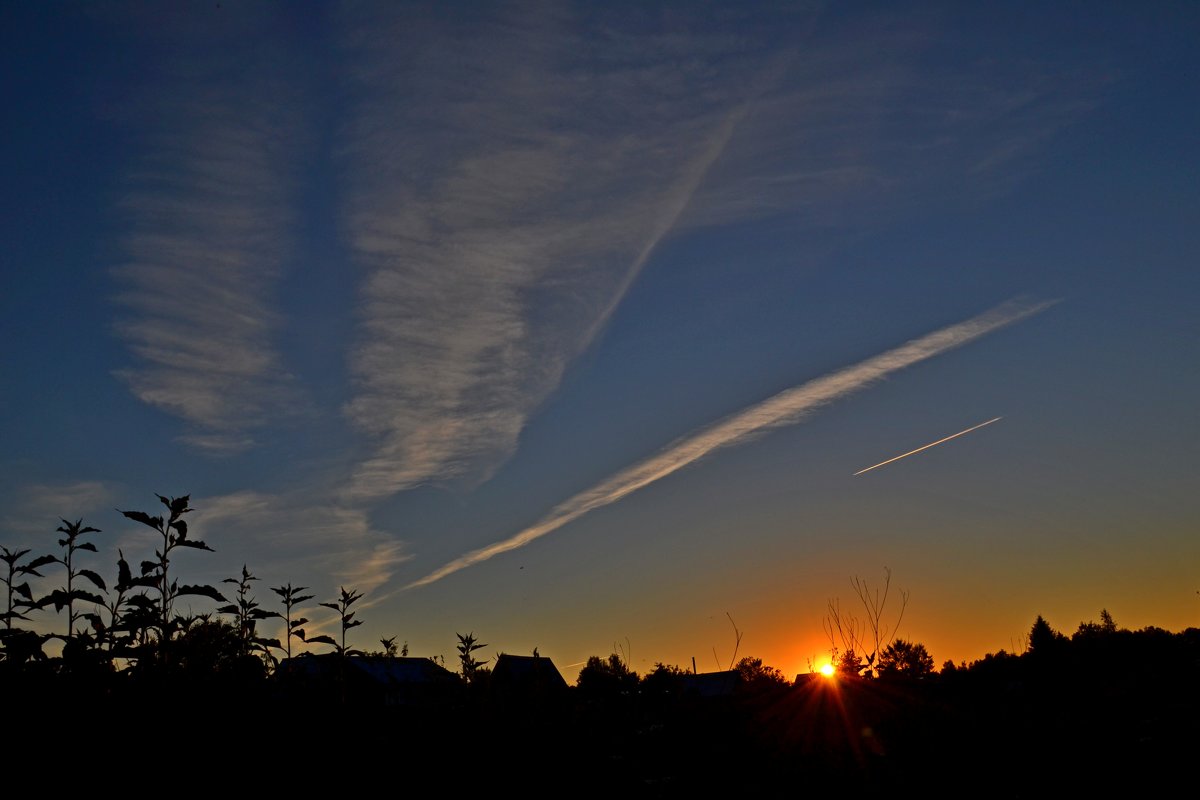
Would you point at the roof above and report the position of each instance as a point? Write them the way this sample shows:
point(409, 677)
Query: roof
point(527, 673)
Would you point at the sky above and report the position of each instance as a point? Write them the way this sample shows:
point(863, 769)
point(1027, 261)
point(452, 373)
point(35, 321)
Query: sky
point(570, 325)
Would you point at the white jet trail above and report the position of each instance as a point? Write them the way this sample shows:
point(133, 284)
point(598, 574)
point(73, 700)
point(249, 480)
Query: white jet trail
point(787, 407)
point(926, 447)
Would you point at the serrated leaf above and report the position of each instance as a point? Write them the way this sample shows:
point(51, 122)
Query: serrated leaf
point(227, 609)
point(354, 624)
point(144, 518)
point(334, 606)
point(58, 597)
point(93, 577)
point(86, 546)
point(298, 622)
point(203, 591)
point(194, 543)
point(23, 590)
point(269, 643)
point(181, 526)
point(87, 597)
point(148, 567)
point(321, 639)
point(299, 600)
point(37, 563)
point(13, 556)
point(299, 634)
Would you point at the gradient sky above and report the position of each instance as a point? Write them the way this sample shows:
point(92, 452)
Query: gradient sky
point(383, 286)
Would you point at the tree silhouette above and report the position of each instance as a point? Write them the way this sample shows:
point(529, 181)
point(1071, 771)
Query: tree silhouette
point(755, 673)
point(867, 636)
point(1043, 640)
point(905, 659)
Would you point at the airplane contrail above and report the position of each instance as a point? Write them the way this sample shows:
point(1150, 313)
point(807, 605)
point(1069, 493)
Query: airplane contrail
point(788, 407)
point(926, 447)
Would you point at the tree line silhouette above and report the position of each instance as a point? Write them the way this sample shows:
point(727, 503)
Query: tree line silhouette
point(886, 717)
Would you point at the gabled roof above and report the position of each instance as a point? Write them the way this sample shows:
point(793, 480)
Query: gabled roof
point(527, 673)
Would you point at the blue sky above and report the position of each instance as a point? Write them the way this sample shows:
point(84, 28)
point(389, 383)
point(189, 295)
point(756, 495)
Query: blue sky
point(382, 285)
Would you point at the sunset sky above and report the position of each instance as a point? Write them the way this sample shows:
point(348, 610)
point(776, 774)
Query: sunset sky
point(570, 324)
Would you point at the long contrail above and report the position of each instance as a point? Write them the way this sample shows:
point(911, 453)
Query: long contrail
point(786, 408)
point(931, 444)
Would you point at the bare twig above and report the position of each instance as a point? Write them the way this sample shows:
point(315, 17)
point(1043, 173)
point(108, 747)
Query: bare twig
point(737, 640)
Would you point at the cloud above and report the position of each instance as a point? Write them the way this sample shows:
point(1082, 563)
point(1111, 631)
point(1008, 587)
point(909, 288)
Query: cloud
point(508, 177)
point(209, 226)
point(786, 408)
point(299, 533)
point(37, 510)
point(507, 180)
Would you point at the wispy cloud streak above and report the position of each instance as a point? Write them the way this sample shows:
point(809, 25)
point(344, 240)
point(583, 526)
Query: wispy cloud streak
point(209, 226)
point(785, 408)
point(506, 187)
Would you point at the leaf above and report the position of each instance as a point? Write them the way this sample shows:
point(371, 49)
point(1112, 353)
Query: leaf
point(231, 609)
point(86, 546)
point(141, 601)
point(180, 526)
point(12, 557)
point(298, 600)
point(148, 567)
point(354, 624)
point(321, 639)
point(124, 576)
point(93, 577)
point(299, 634)
point(334, 606)
point(269, 643)
point(203, 591)
point(23, 590)
point(298, 622)
point(194, 543)
point(58, 597)
point(145, 519)
point(87, 597)
point(37, 563)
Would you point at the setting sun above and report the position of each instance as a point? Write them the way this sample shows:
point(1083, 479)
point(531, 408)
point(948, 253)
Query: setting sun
point(827, 670)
